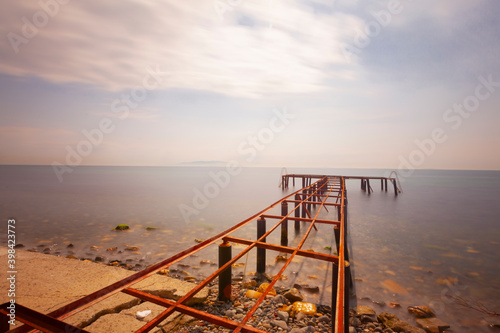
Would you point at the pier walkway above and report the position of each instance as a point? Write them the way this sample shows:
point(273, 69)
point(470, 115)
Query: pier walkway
point(302, 207)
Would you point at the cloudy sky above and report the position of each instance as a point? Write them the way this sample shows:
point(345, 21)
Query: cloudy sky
point(326, 83)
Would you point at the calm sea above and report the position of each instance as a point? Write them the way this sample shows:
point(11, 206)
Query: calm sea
point(439, 238)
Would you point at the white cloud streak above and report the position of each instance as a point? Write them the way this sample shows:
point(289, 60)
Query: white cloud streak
point(109, 44)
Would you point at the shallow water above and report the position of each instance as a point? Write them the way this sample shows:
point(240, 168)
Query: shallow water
point(440, 237)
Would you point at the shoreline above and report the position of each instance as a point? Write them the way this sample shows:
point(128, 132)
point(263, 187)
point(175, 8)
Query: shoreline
point(58, 281)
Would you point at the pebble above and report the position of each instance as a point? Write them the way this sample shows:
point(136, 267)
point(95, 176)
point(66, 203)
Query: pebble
point(279, 323)
point(282, 315)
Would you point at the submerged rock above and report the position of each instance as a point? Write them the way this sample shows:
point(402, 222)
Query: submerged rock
point(433, 325)
point(293, 295)
point(421, 311)
point(122, 227)
point(394, 323)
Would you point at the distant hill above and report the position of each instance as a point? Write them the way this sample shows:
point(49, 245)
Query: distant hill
point(204, 163)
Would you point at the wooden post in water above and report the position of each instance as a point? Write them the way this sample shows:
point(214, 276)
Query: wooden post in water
point(381, 184)
point(368, 185)
point(385, 181)
point(261, 252)
point(225, 275)
point(395, 186)
point(284, 224)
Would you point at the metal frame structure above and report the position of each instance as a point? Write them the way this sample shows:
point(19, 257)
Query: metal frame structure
point(327, 191)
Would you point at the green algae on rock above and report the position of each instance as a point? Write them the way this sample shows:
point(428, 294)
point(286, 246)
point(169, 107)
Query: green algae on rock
point(121, 227)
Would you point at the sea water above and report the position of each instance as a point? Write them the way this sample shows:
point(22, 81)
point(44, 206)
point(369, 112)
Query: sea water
point(436, 243)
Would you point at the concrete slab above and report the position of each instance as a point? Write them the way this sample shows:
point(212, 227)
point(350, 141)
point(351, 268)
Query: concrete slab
point(46, 282)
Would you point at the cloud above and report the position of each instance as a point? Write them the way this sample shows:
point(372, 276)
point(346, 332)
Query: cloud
point(110, 44)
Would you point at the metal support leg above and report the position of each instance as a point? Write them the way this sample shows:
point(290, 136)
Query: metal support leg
point(261, 253)
point(335, 274)
point(284, 224)
point(225, 276)
point(297, 214)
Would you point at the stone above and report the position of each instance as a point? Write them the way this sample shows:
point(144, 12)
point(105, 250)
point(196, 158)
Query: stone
point(306, 287)
point(293, 295)
point(279, 323)
point(394, 305)
point(324, 319)
point(306, 308)
point(282, 315)
point(362, 310)
point(280, 299)
point(132, 248)
point(296, 330)
point(253, 294)
point(433, 325)
point(421, 311)
point(71, 257)
point(122, 227)
point(393, 322)
point(230, 313)
point(264, 286)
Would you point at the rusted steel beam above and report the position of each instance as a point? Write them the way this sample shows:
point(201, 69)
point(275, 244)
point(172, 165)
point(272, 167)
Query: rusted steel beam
point(340, 325)
point(285, 249)
point(202, 315)
point(302, 219)
point(40, 321)
point(314, 202)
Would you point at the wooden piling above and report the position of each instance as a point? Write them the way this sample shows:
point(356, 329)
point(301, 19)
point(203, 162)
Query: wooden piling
point(395, 186)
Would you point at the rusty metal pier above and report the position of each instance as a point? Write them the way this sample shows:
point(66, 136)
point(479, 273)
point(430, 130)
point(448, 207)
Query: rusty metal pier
point(303, 207)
